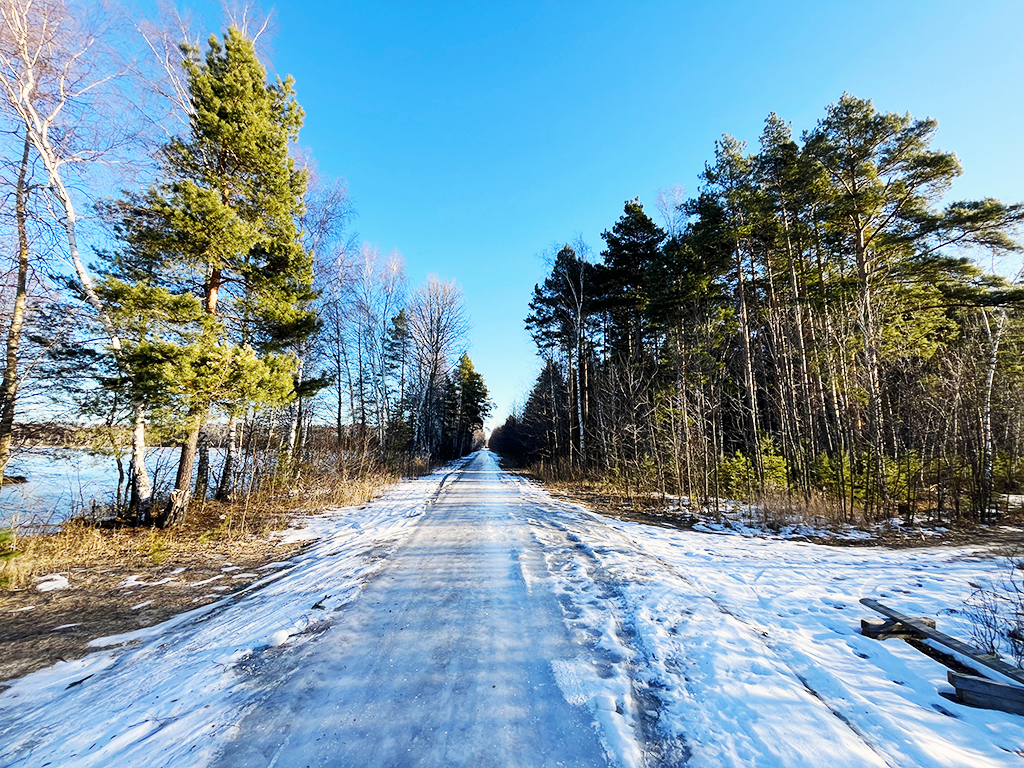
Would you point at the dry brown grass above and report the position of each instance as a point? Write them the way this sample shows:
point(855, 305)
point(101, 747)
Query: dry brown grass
point(777, 509)
point(210, 528)
point(78, 545)
point(327, 492)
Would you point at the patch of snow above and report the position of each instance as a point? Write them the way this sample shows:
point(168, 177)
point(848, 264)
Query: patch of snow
point(279, 638)
point(278, 564)
point(19, 610)
point(52, 582)
point(133, 581)
point(206, 581)
point(294, 535)
point(147, 633)
point(142, 605)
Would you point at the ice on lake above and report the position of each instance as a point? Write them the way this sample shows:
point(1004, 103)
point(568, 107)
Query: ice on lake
point(64, 482)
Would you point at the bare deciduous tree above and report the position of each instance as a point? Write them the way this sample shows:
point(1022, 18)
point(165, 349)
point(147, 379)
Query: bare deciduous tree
point(438, 325)
point(59, 80)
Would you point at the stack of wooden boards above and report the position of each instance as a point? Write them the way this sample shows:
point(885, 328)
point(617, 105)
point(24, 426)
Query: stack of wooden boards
point(974, 690)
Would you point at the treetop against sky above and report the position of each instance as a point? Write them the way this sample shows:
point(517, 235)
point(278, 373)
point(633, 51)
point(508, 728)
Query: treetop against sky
point(478, 138)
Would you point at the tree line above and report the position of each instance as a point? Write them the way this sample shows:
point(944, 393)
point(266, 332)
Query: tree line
point(223, 302)
point(816, 327)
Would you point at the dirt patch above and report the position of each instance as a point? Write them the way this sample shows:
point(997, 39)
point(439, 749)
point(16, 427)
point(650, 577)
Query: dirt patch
point(38, 629)
point(121, 578)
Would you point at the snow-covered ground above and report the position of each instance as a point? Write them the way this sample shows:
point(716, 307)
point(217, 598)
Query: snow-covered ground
point(746, 651)
point(670, 647)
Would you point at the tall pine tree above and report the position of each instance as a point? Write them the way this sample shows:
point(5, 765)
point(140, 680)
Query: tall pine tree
point(221, 226)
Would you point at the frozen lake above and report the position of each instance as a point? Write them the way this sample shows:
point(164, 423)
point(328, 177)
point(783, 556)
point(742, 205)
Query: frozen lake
point(62, 482)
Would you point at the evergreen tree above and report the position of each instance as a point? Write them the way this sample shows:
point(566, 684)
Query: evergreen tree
point(560, 320)
point(631, 249)
point(472, 406)
point(221, 226)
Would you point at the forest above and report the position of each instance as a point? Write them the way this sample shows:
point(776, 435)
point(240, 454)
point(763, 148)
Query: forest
point(820, 329)
point(177, 272)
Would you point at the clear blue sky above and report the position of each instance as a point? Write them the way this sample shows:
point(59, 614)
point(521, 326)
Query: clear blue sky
point(476, 136)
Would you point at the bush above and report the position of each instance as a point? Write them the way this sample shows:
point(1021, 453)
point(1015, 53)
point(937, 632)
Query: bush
point(997, 613)
point(738, 473)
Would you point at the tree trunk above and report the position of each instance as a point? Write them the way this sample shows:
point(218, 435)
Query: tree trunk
point(748, 368)
point(295, 423)
point(987, 482)
point(177, 507)
point(142, 491)
point(203, 468)
point(11, 379)
point(227, 475)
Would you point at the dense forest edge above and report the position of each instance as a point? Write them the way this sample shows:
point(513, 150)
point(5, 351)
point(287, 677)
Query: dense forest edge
point(815, 332)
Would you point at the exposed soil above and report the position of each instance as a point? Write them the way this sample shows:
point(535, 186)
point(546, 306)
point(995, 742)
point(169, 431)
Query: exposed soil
point(38, 629)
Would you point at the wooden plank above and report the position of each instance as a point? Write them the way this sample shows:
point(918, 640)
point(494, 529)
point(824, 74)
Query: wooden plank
point(987, 694)
point(974, 654)
point(883, 629)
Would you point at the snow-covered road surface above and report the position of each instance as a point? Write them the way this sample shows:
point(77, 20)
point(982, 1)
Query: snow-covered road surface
point(467, 618)
point(444, 660)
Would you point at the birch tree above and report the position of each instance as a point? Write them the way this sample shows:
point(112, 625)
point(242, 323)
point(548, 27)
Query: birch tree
point(60, 81)
point(437, 326)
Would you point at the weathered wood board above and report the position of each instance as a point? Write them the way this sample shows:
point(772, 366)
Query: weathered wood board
point(988, 694)
point(882, 629)
point(970, 652)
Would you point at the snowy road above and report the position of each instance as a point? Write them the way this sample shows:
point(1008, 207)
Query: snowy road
point(468, 618)
point(444, 660)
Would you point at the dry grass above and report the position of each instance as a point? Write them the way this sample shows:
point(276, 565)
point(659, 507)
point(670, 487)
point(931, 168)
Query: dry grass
point(777, 509)
point(326, 492)
point(211, 528)
point(124, 578)
point(79, 546)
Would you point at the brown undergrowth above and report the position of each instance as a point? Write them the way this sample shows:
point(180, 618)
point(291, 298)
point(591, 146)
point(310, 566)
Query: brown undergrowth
point(780, 510)
point(122, 578)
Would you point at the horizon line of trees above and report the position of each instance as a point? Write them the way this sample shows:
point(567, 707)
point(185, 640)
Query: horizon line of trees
point(225, 296)
point(812, 325)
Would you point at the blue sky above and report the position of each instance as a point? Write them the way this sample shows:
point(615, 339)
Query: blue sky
point(475, 137)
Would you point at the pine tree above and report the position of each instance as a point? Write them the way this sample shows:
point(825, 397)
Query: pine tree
point(222, 226)
point(631, 248)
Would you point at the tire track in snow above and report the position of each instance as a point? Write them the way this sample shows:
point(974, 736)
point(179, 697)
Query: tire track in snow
point(660, 745)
